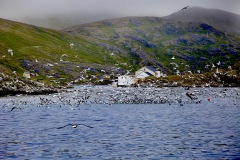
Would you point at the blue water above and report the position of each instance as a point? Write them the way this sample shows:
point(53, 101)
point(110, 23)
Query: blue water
point(121, 131)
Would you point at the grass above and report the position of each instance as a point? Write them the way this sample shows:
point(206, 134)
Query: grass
point(47, 46)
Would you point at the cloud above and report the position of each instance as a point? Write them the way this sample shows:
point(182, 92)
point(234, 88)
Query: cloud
point(52, 7)
point(91, 10)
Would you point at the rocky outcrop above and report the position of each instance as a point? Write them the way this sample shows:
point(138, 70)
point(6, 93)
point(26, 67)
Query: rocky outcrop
point(13, 86)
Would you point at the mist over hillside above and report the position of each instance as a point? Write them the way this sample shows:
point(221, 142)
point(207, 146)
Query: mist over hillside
point(222, 20)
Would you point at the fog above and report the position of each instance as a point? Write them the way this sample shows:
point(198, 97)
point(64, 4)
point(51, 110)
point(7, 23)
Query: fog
point(59, 14)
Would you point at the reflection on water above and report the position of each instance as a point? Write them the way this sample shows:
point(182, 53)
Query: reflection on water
point(120, 131)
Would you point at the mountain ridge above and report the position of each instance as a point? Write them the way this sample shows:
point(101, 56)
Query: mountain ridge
point(223, 20)
point(152, 32)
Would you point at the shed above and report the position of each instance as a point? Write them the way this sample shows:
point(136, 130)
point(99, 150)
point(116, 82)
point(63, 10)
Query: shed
point(26, 74)
point(126, 80)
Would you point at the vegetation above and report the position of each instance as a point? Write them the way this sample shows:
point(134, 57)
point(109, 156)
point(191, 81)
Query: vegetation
point(47, 54)
point(214, 78)
point(154, 41)
point(85, 53)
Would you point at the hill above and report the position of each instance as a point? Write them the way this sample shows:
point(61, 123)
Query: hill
point(225, 21)
point(113, 47)
point(50, 56)
point(169, 45)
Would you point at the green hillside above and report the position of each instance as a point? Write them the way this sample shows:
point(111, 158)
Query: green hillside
point(113, 47)
point(154, 41)
point(47, 53)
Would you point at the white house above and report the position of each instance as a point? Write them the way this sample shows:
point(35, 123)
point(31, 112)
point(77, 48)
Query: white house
point(126, 80)
point(146, 72)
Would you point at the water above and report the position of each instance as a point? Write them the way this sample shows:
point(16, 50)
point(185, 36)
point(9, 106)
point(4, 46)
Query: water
point(206, 130)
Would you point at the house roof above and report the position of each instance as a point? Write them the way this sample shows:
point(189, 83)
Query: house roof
point(148, 73)
point(151, 68)
point(26, 72)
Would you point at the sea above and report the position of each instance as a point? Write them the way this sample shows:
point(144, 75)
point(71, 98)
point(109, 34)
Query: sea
point(83, 123)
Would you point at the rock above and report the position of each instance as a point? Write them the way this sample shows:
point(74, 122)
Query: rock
point(13, 86)
point(142, 41)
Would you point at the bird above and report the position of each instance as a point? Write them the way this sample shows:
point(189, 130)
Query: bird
point(185, 8)
point(5, 105)
point(190, 72)
point(75, 126)
point(10, 51)
point(72, 45)
point(173, 57)
point(64, 55)
point(15, 108)
point(190, 95)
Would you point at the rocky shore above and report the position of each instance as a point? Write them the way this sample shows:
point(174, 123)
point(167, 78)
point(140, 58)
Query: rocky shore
point(14, 86)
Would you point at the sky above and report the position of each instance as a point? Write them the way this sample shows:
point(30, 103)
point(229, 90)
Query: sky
point(70, 12)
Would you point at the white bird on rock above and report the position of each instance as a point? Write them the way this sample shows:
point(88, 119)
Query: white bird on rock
point(71, 45)
point(10, 51)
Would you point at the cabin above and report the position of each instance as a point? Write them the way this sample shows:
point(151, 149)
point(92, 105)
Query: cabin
point(146, 72)
point(26, 75)
point(126, 80)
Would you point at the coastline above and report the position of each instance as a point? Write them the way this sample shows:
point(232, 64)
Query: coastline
point(4, 93)
point(14, 86)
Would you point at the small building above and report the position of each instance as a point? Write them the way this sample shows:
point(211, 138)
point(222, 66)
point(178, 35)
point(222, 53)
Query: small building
point(159, 74)
point(26, 75)
point(146, 72)
point(126, 80)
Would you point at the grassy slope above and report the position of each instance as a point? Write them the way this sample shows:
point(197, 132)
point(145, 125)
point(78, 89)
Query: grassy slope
point(166, 35)
point(47, 46)
point(95, 42)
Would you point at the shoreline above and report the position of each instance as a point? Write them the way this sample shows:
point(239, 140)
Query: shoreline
point(5, 93)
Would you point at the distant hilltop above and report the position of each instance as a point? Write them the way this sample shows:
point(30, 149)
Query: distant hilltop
point(222, 20)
